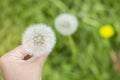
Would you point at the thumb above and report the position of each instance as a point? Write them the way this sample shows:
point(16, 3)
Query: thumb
point(17, 53)
point(20, 53)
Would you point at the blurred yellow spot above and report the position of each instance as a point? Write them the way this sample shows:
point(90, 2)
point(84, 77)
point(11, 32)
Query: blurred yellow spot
point(107, 31)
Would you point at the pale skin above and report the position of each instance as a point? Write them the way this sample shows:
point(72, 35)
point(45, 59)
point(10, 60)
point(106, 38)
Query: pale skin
point(15, 67)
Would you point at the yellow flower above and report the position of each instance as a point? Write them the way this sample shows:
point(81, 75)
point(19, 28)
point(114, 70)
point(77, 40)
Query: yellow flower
point(107, 31)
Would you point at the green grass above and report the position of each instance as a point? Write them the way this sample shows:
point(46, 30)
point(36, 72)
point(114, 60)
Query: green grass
point(92, 60)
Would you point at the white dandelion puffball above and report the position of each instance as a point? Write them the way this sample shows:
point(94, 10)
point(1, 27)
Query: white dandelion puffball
point(66, 24)
point(38, 39)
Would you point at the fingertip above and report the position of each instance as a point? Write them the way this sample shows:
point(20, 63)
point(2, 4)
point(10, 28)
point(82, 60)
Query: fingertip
point(24, 55)
point(18, 52)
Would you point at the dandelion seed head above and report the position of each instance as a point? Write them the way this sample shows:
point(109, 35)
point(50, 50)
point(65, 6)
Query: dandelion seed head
point(66, 24)
point(38, 39)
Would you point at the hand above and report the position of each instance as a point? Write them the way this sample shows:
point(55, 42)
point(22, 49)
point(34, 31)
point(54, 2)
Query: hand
point(15, 67)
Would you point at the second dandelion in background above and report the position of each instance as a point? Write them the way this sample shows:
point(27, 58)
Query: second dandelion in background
point(67, 24)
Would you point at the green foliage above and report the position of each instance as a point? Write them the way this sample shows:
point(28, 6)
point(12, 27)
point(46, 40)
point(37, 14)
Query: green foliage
point(92, 60)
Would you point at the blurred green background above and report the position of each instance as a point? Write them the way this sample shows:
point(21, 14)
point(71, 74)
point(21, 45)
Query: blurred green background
point(93, 60)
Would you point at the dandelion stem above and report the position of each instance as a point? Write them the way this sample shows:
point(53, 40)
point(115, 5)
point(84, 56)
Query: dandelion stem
point(73, 49)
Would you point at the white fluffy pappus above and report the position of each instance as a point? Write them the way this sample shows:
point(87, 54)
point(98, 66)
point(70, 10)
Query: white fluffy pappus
point(66, 24)
point(38, 39)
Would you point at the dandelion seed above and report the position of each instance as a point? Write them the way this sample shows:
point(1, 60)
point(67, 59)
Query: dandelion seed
point(66, 24)
point(39, 39)
point(107, 31)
